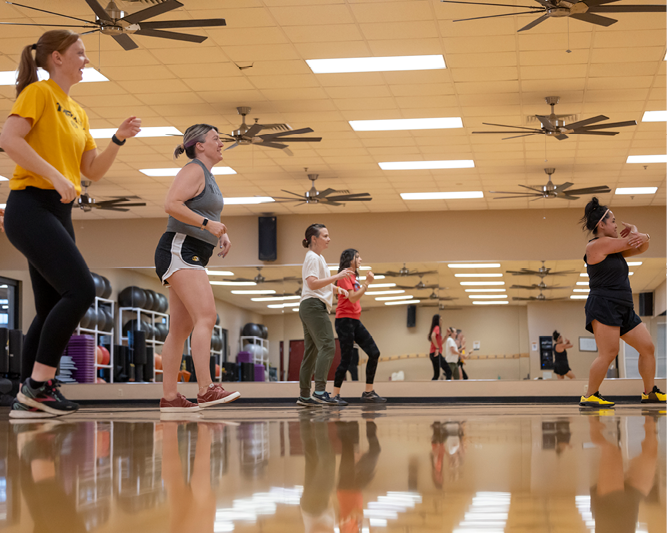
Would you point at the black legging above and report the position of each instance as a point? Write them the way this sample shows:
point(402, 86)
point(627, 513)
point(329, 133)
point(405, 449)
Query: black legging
point(40, 227)
point(438, 361)
point(351, 330)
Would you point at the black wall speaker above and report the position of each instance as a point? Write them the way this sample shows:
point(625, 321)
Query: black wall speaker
point(412, 316)
point(268, 238)
point(645, 304)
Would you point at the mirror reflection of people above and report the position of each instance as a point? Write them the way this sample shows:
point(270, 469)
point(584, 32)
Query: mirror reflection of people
point(452, 353)
point(350, 330)
point(461, 345)
point(561, 365)
point(435, 352)
point(616, 496)
point(610, 314)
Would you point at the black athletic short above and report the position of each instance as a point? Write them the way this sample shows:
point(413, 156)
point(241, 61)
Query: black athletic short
point(561, 368)
point(610, 313)
point(177, 251)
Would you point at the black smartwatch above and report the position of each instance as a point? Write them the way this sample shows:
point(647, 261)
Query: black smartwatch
point(203, 224)
point(117, 141)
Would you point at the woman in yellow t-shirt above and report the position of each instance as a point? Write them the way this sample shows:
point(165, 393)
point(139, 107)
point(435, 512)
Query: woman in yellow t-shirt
point(47, 136)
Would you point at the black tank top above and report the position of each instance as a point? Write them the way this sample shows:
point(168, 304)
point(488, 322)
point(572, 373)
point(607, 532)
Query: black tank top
point(609, 279)
point(560, 356)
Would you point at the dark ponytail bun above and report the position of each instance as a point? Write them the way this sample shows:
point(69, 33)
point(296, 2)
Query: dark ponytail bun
point(593, 214)
point(556, 334)
point(304, 243)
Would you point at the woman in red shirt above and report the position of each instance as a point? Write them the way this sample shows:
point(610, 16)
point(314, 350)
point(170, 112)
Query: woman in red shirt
point(435, 353)
point(350, 329)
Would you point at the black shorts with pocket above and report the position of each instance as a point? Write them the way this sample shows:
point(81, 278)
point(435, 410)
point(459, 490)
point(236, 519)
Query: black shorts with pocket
point(177, 251)
point(610, 313)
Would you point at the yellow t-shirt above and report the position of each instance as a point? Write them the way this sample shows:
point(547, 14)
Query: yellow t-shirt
point(59, 134)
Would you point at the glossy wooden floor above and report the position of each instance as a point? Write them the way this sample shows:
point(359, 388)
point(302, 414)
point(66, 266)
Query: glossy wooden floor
point(396, 468)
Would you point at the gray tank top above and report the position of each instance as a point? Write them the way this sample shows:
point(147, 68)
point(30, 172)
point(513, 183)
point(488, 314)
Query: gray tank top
point(208, 203)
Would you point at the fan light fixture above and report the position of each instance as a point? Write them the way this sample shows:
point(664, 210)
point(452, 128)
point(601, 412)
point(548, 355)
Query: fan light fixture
point(376, 64)
point(658, 158)
point(170, 172)
point(636, 190)
point(404, 297)
point(427, 165)
point(474, 265)
point(504, 302)
point(441, 195)
point(162, 131)
point(404, 302)
point(487, 296)
point(402, 124)
point(8, 77)
point(655, 116)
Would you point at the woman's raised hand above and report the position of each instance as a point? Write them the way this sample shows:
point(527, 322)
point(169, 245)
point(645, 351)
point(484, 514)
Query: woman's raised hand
point(344, 274)
point(628, 229)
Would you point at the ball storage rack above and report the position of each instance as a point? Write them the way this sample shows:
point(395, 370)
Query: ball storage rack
point(99, 335)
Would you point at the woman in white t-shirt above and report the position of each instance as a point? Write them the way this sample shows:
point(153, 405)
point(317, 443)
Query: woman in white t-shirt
point(316, 303)
point(452, 353)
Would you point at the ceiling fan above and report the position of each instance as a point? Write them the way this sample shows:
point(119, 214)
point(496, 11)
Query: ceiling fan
point(246, 135)
point(112, 21)
point(541, 285)
point(117, 203)
point(404, 271)
point(259, 279)
point(541, 272)
point(584, 10)
point(552, 191)
point(539, 298)
point(327, 196)
point(421, 286)
point(440, 306)
point(554, 126)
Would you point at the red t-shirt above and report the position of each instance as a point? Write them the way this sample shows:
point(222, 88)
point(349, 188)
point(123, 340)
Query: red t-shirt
point(347, 309)
point(438, 339)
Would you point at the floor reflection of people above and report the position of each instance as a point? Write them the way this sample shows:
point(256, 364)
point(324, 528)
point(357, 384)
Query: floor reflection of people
point(40, 448)
point(616, 497)
point(448, 442)
point(355, 475)
point(316, 504)
point(191, 505)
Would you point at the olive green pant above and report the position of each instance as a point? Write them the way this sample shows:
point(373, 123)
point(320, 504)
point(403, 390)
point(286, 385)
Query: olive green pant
point(455, 370)
point(319, 346)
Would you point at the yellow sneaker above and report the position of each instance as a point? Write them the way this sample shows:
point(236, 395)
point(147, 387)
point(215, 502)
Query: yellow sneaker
point(595, 400)
point(655, 396)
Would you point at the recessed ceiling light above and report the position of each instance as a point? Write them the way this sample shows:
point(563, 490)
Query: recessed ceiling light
point(634, 263)
point(107, 133)
point(427, 165)
point(404, 297)
point(402, 124)
point(233, 283)
point(275, 298)
point(404, 302)
point(256, 291)
point(219, 272)
point(484, 275)
point(461, 195)
point(504, 302)
point(487, 296)
point(486, 290)
point(658, 158)
point(655, 116)
point(381, 285)
point(169, 172)
point(582, 282)
point(474, 265)
point(248, 200)
point(578, 297)
point(377, 293)
point(376, 64)
point(482, 283)
point(8, 77)
point(636, 190)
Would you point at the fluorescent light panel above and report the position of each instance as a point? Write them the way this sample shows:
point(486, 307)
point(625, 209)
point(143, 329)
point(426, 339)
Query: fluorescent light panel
point(403, 302)
point(377, 293)
point(275, 298)
point(486, 290)
point(402, 124)
point(583, 275)
point(456, 195)
point(233, 283)
point(376, 276)
point(658, 158)
point(634, 263)
point(247, 200)
point(404, 297)
point(581, 290)
point(504, 302)
point(376, 64)
point(255, 291)
point(107, 133)
point(635, 190)
point(474, 265)
point(219, 273)
point(655, 116)
point(2, 178)
point(170, 172)
point(578, 297)
point(487, 296)
point(582, 282)
point(8, 77)
point(484, 275)
point(471, 283)
point(427, 165)
point(381, 285)
point(282, 306)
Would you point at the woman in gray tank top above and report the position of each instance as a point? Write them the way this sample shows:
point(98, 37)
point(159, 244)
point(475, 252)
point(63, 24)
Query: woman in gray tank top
point(194, 204)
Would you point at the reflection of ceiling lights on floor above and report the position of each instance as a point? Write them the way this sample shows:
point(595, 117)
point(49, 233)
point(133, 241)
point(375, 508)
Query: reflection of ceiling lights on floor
point(387, 507)
point(259, 504)
point(488, 513)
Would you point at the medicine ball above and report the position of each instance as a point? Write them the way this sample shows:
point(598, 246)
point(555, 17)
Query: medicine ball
point(99, 284)
point(87, 320)
point(149, 299)
point(108, 320)
point(107, 287)
point(252, 330)
point(132, 297)
point(164, 303)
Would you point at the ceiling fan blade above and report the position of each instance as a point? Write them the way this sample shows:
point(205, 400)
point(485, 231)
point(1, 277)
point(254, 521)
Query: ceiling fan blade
point(99, 10)
point(561, 136)
point(274, 145)
point(647, 8)
point(97, 28)
point(134, 204)
point(590, 190)
point(623, 124)
point(288, 151)
point(523, 272)
point(345, 199)
point(483, 4)
point(593, 3)
point(150, 12)
point(424, 273)
point(536, 189)
point(172, 35)
point(125, 41)
point(586, 132)
point(253, 130)
point(269, 136)
point(495, 132)
point(503, 15)
point(582, 123)
point(50, 13)
point(517, 136)
point(295, 194)
point(232, 146)
point(325, 192)
point(170, 24)
point(358, 196)
point(508, 126)
point(526, 195)
point(519, 298)
point(563, 186)
point(546, 122)
point(297, 139)
point(537, 21)
point(594, 19)
point(528, 287)
point(117, 209)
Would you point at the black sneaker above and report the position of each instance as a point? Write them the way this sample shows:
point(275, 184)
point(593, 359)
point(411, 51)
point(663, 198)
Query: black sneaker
point(22, 411)
point(341, 402)
point(372, 397)
point(326, 399)
point(308, 402)
point(46, 398)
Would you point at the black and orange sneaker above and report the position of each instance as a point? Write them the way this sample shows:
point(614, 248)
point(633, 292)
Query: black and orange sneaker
point(595, 400)
point(46, 398)
point(655, 396)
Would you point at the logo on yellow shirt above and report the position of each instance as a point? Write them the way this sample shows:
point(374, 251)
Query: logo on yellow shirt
point(74, 120)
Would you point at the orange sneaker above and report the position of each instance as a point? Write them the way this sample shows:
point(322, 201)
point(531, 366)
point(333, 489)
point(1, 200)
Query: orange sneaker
point(215, 395)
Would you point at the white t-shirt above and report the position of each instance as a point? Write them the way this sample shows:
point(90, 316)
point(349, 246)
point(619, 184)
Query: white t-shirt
point(451, 357)
point(315, 265)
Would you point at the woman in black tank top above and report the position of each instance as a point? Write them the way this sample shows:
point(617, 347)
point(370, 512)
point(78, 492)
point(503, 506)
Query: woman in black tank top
point(561, 364)
point(609, 310)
